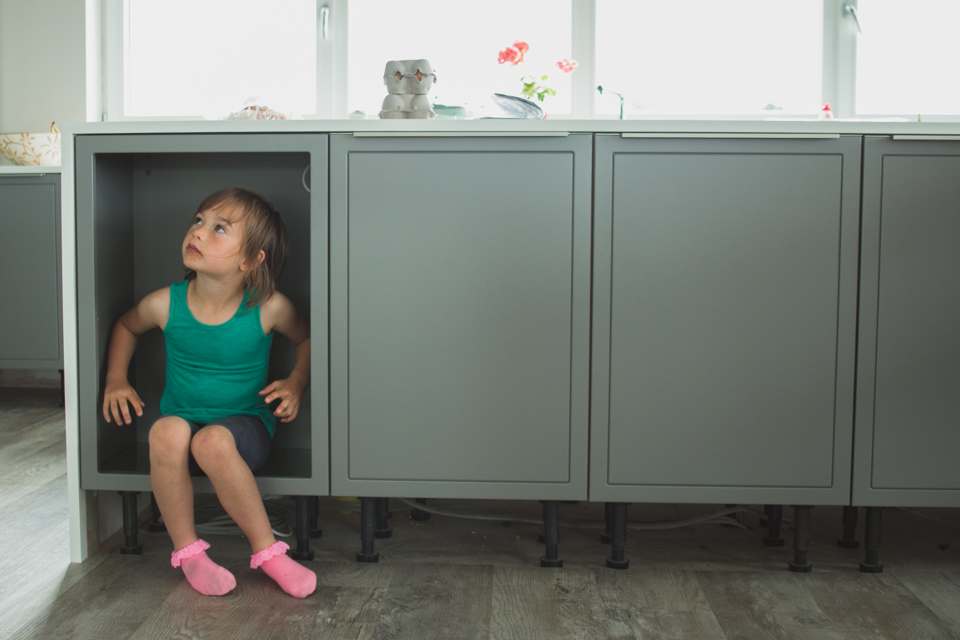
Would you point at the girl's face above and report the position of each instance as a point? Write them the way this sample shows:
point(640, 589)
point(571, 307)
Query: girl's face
point(213, 242)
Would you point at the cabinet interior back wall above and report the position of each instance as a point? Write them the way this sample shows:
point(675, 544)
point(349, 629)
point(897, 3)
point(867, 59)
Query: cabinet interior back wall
point(136, 199)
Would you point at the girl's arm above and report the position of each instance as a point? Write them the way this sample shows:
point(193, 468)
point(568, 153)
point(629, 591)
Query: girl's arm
point(152, 311)
point(278, 314)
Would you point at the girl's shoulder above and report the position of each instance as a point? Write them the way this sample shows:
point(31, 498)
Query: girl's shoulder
point(155, 306)
point(272, 310)
point(278, 313)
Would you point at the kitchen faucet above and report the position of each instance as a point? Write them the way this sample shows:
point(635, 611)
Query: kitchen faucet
point(600, 89)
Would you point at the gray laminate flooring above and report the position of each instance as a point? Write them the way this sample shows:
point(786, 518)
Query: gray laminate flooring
point(456, 578)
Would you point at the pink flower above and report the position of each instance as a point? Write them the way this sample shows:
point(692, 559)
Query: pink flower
point(509, 55)
point(522, 47)
point(567, 66)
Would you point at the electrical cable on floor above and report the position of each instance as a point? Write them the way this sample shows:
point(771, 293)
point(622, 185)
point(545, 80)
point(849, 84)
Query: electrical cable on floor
point(717, 517)
point(280, 518)
point(223, 524)
point(930, 517)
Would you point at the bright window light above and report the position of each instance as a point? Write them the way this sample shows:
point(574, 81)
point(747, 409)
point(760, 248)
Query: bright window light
point(462, 41)
point(908, 57)
point(210, 57)
point(724, 57)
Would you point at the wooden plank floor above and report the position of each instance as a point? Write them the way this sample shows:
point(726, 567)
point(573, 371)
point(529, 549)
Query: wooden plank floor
point(454, 578)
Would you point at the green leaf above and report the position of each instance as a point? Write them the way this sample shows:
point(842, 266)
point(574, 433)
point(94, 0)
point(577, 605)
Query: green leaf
point(544, 78)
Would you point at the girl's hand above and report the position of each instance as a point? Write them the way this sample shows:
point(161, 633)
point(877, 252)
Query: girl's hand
point(290, 392)
point(115, 400)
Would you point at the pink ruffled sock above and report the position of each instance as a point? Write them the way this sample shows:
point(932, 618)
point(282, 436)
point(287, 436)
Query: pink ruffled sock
point(292, 577)
point(203, 574)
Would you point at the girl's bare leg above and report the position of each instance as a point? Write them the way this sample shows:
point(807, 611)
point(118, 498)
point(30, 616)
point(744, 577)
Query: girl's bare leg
point(170, 478)
point(215, 451)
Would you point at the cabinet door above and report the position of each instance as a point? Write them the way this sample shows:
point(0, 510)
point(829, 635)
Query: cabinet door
point(460, 316)
point(908, 399)
point(724, 320)
point(30, 272)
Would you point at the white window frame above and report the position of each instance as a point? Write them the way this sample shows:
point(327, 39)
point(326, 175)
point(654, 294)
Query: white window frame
point(839, 64)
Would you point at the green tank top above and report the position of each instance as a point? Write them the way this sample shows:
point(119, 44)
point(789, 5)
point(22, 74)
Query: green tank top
point(214, 371)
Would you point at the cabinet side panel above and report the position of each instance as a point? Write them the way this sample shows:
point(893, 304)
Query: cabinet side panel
point(113, 290)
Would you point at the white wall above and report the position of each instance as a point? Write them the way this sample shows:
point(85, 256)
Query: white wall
point(42, 64)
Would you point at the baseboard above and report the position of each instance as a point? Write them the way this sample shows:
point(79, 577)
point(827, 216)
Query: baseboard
point(30, 378)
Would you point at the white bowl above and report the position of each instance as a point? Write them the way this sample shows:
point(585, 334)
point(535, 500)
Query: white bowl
point(31, 149)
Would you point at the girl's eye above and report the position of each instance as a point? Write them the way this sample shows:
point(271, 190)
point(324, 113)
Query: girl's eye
point(219, 229)
point(198, 220)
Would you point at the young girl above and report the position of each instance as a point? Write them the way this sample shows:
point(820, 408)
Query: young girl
point(218, 325)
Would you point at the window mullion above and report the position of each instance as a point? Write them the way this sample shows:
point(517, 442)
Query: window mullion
point(113, 59)
point(839, 59)
point(584, 52)
point(332, 61)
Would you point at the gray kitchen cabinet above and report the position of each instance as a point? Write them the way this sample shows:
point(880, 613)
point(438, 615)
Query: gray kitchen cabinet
point(30, 318)
point(135, 198)
point(460, 288)
point(908, 397)
point(724, 319)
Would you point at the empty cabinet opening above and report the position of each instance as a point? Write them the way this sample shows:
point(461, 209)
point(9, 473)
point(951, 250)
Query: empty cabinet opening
point(142, 206)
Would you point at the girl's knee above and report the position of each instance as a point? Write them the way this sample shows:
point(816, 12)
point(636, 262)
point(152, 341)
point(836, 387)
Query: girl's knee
point(213, 445)
point(169, 437)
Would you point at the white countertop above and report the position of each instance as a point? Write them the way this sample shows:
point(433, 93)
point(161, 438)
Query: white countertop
point(800, 128)
point(6, 170)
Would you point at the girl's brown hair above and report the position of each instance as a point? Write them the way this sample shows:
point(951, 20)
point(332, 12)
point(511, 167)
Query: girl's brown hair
point(262, 230)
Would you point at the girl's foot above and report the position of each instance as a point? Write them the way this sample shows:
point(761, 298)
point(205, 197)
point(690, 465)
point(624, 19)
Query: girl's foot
point(292, 577)
point(203, 574)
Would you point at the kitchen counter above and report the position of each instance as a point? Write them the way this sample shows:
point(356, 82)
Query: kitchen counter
point(653, 128)
point(6, 170)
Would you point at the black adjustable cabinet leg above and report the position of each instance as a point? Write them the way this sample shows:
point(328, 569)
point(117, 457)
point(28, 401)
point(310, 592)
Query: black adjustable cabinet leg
point(551, 534)
point(130, 523)
point(871, 563)
point(383, 529)
point(418, 514)
point(155, 526)
point(849, 539)
point(608, 520)
point(315, 530)
point(618, 536)
point(303, 550)
point(774, 519)
point(368, 517)
point(801, 540)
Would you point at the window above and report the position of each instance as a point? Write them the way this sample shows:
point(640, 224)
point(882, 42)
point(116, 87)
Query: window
point(752, 59)
point(733, 57)
point(209, 58)
point(462, 42)
point(908, 57)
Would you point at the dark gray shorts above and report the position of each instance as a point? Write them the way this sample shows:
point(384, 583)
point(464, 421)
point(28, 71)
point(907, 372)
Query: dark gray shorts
point(249, 434)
